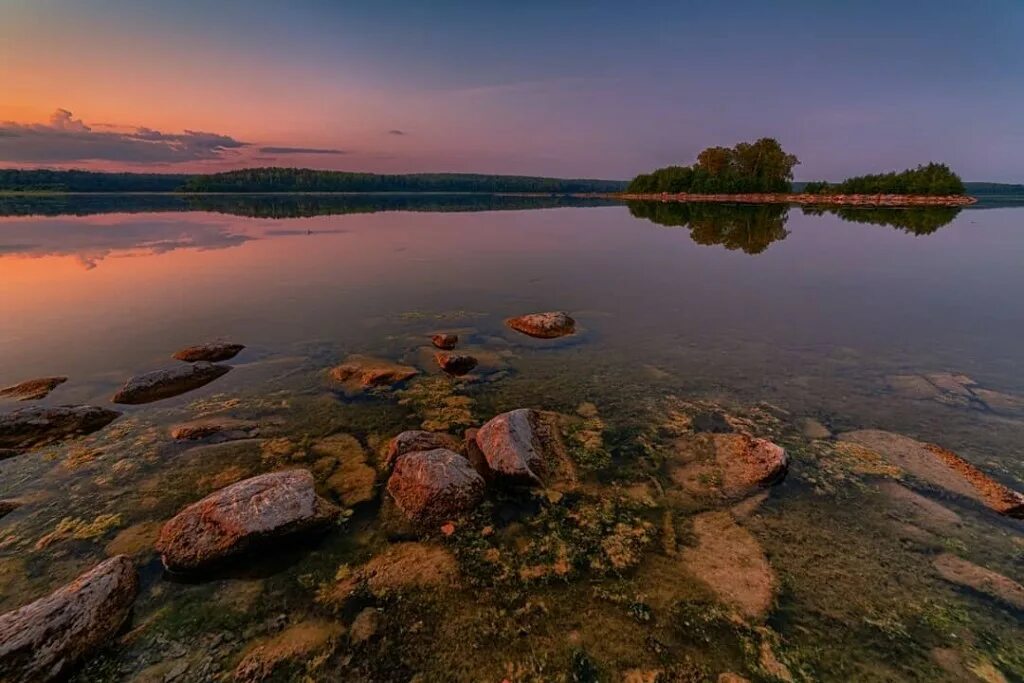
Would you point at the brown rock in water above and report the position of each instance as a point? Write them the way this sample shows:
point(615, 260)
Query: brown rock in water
point(417, 440)
point(365, 625)
point(8, 506)
point(399, 567)
point(511, 447)
point(300, 642)
point(351, 479)
point(543, 325)
point(731, 466)
point(161, 384)
point(218, 429)
point(969, 575)
point(43, 640)
point(247, 513)
point(214, 352)
point(33, 389)
point(455, 363)
point(40, 426)
point(363, 372)
point(445, 341)
point(433, 486)
point(733, 565)
point(940, 467)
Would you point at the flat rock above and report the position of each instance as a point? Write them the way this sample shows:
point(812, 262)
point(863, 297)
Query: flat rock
point(351, 479)
point(729, 466)
point(920, 511)
point(399, 567)
point(44, 639)
point(732, 564)
point(214, 352)
point(433, 486)
point(941, 467)
point(445, 341)
point(979, 579)
point(543, 325)
point(247, 513)
point(455, 363)
point(216, 429)
point(33, 389)
point(38, 426)
point(417, 440)
point(161, 384)
point(364, 372)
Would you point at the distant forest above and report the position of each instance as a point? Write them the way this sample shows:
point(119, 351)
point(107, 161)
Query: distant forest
point(930, 180)
point(292, 180)
point(761, 166)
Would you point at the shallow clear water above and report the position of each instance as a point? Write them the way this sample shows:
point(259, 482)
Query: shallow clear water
point(751, 308)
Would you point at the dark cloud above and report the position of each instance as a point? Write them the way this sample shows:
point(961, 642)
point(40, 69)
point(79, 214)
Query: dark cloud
point(300, 150)
point(395, 131)
point(67, 139)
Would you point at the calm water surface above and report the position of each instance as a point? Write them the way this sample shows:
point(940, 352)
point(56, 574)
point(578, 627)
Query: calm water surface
point(772, 315)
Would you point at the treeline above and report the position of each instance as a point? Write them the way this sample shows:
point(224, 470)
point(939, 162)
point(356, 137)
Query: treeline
point(308, 180)
point(929, 180)
point(293, 180)
point(761, 166)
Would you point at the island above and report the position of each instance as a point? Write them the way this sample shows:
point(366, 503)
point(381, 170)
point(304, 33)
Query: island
point(761, 172)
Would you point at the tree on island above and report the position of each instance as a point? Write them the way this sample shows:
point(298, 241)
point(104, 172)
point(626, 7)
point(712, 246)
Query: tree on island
point(928, 180)
point(761, 166)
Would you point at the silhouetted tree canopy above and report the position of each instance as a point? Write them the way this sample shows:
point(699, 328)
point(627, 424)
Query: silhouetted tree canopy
point(916, 220)
point(761, 166)
point(750, 228)
point(930, 179)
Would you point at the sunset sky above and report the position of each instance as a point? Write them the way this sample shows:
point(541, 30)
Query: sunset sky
point(591, 89)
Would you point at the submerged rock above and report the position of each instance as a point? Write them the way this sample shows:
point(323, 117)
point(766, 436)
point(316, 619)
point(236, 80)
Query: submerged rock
point(941, 467)
point(297, 643)
point(433, 486)
point(214, 352)
point(543, 325)
point(233, 519)
point(352, 479)
point(8, 506)
point(33, 389)
point(43, 640)
point(399, 567)
point(969, 575)
point(728, 465)
point(417, 440)
point(218, 429)
point(445, 341)
point(161, 384)
point(40, 426)
point(812, 429)
point(455, 363)
point(732, 564)
point(363, 372)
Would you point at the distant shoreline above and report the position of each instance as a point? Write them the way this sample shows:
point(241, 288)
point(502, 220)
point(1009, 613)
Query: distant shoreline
point(802, 198)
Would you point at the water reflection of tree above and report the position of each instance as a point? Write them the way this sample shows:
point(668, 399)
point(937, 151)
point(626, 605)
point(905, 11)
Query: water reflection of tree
point(748, 227)
point(917, 220)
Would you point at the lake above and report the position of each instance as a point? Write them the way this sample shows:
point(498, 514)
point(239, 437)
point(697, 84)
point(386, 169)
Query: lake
point(694, 324)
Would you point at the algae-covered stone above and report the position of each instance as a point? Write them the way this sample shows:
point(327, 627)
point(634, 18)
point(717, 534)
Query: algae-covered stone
point(352, 479)
point(295, 645)
point(364, 372)
point(399, 567)
point(729, 466)
point(960, 572)
point(38, 426)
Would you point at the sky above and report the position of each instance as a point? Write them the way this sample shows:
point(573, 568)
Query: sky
point(573, 88)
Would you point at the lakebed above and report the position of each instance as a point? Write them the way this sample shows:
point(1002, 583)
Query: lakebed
point(643, 555)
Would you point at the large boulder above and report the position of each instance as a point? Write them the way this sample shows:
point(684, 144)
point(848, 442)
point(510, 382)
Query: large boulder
point(417, 440)
point(364, 372)
point(512, 447)
point(433, 486)
point(543, 325)
point(38, 426)
point(214, 352)
point(238, 517)
point(161, 384)
point(940, 467)
point(33, 389)
point(44, 639)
